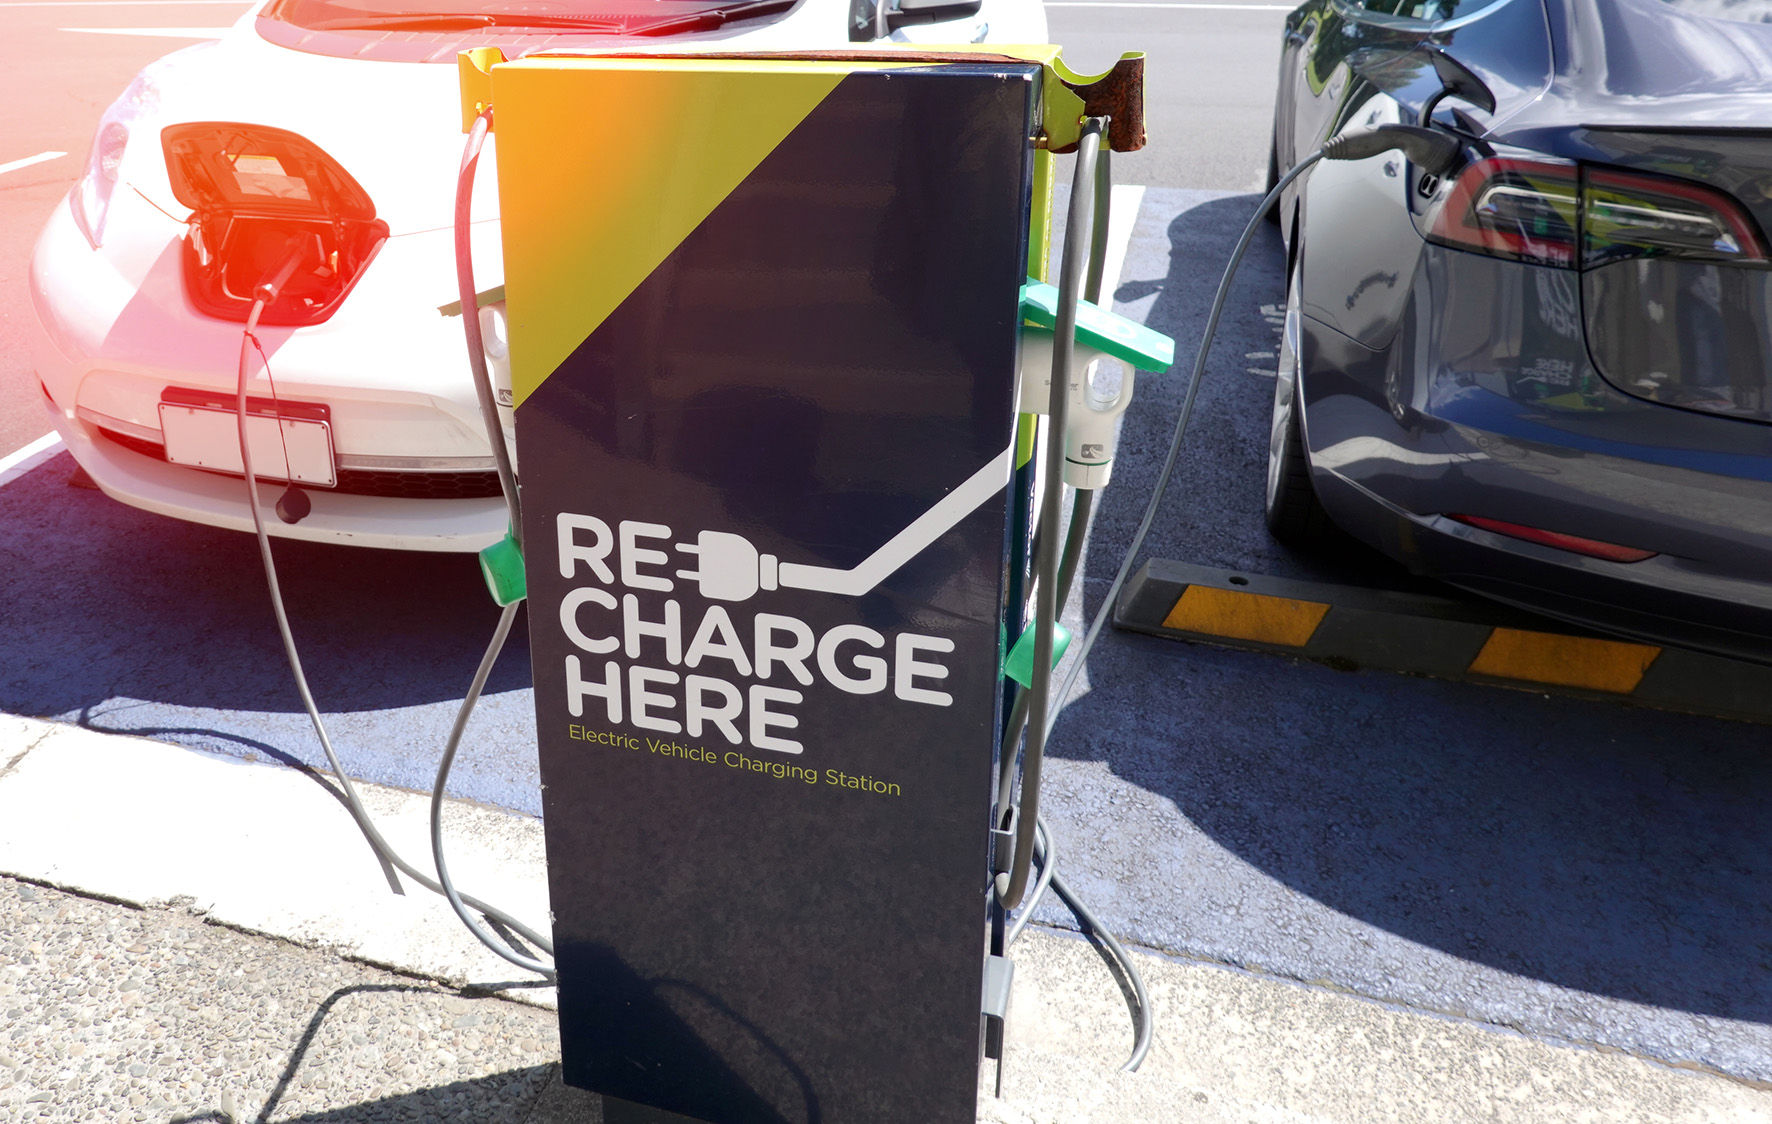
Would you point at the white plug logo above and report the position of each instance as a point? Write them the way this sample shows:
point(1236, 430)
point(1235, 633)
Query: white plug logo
point(729, 568)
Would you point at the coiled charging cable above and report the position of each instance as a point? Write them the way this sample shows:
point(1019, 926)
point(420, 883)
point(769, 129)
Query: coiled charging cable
point(463, 904)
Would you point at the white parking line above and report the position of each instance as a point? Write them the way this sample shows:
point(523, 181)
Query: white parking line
point(16, 464)
point(15, 165)
point(154, 32)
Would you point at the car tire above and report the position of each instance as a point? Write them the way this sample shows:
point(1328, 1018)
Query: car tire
point(1294, 514)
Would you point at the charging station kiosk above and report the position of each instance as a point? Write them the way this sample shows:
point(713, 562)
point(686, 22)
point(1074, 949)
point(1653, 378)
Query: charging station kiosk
point(763, 329)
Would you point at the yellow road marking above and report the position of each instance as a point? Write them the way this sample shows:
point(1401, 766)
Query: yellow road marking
point(1567, 661)
point(1246, 616)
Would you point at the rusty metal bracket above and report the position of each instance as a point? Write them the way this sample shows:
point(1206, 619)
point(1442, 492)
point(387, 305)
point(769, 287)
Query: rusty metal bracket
point(1068, 98)
point(1117, 95)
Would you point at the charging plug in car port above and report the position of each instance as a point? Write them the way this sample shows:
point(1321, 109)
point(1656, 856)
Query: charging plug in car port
point(227, 255)
point(251, 189)
point(250, 251)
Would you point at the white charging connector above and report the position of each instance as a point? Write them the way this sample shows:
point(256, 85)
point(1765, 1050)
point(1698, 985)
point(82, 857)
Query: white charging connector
point(1100, 390)
point(495, 344)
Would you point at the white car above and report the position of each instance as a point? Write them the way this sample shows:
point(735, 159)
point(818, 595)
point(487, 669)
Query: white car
point(141, 283)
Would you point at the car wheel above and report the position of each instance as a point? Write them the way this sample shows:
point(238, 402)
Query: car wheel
point(1294, 515)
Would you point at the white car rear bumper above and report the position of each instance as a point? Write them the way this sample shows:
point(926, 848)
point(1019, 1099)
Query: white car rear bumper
point(389, 367)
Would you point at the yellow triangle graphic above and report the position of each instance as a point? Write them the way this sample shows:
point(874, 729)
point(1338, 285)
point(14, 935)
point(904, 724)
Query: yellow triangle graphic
point(605, 166)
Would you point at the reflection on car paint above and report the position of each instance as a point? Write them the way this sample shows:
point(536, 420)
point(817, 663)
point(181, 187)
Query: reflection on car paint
point(1684, 333)
point(1484, 409)
point(1624, 228)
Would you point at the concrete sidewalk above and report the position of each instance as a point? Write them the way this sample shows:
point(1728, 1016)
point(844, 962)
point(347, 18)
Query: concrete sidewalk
point(186, 937)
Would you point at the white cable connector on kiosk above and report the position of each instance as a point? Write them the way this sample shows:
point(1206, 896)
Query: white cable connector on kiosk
point(1110, 350)
point(495, 344)
point(1100, 393)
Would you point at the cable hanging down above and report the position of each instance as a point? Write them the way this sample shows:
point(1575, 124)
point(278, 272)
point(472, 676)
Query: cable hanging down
point(1177, 438)
point(1055, 570)
point(1037, 833)
point(384, 851)
point(461, 903)
point(1116, 950)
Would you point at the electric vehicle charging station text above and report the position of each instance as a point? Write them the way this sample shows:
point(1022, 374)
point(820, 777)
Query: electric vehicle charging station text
point(765, 319)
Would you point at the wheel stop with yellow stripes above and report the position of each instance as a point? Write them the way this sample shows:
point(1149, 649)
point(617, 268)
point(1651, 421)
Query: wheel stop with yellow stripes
point(1355, 627)
point(764, 318)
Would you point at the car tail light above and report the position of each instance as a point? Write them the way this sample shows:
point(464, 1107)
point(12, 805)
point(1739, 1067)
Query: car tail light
point(1628, 216)
point(250, 189)
point(1593, 548)
point(1557, 213)
point(1528, 210)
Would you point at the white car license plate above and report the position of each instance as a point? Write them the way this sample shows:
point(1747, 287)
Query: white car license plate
point(289, 440)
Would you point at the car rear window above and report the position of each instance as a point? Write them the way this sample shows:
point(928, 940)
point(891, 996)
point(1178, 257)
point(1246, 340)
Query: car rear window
point(1741, 11)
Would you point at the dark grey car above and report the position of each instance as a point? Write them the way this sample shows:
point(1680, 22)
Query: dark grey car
point(1543, 376)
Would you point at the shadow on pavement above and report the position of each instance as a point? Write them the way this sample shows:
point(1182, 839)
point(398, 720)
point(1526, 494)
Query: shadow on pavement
point(527, 1095)
point(510, 1095)
point(127, 622)
point(104, 601)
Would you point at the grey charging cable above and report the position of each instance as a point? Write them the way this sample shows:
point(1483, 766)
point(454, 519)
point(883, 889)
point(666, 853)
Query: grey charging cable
point(470, 316)
point(1012, 885)
point(1030, 704)
point(1048, 872)
point(459, 902)
point(1433, 149)
point(1178, 438)
point(264, 295)
point(1055, 570)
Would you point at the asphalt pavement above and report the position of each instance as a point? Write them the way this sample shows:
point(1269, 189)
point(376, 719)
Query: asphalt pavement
point(1571, 868)
point(1585, 875)
point(230, 952)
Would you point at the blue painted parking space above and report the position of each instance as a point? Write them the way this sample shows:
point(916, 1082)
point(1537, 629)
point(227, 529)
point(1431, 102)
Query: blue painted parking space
point(127, 622)
point(1576, 869)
